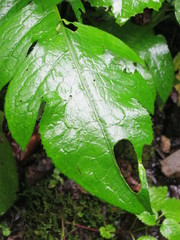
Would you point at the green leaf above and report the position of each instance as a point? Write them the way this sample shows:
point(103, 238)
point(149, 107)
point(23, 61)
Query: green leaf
point(124, 9)
point(5, 231)
point(151, 48)
point(48, 4)
point(77, 7)
point(177, 10)
point(154, 51)
point(146, 238)
point(94, 97)
point(148, 218)
point(170, 229)
point(107, 232)
point(8, 174)
point(171, 209)
point(158, 196)
point(16, 38)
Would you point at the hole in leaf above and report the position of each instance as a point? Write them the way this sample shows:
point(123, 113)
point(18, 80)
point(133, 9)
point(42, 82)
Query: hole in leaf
point(152, 166)
point(31, 49)
point(66, 11)
point(127, 161)
point(177, 71)
point(79, 170)
point(2, 97)
point(41, 110)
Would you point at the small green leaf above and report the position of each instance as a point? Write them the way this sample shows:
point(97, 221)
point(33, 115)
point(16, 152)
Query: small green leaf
point(107, 232)
point(146, 238)
point(52, 183)
point(124, 9)
point(147, 218)
point(8, 174)
point(5, 230)
point(77, 7)
point(170, 229)
point(171, 209)
point(177, 10)
point(110, 228)
point(158, 196)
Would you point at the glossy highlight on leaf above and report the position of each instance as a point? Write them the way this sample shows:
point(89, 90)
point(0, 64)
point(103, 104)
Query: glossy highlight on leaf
point(21, 26)
point(123, 9)
point(170, 229)
point(94, 96)
point(155, 52)
point(151, 48)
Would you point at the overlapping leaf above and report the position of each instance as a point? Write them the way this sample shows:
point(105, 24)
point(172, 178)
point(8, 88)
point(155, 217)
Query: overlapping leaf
point(151, 48)
point(170, 229)
point(78, 8)
point(171, 209)
point(123, 9)
point(21, 25)
point(155, 52)
point(94, 97)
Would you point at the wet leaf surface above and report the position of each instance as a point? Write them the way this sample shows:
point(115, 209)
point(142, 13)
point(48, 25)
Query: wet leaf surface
point(123, 10)
point(170, 229)
point(94, 95)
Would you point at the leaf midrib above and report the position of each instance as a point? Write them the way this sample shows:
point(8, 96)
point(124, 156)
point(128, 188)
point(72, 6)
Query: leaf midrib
point(74, 58)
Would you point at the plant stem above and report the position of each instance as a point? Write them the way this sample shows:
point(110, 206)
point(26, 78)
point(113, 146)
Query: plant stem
point(133, 238)
point(135, 220)
point(83, 227)
point(139, 229)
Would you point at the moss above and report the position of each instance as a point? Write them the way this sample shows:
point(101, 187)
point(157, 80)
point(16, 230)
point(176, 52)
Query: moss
point(52, 213)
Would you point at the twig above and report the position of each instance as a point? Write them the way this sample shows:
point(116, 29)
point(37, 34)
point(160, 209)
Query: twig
point(132, 235)
point(139, 229)
point(134, 223)
point(83, 227)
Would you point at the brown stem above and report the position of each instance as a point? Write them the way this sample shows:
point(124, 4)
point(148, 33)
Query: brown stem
point(83, 227)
